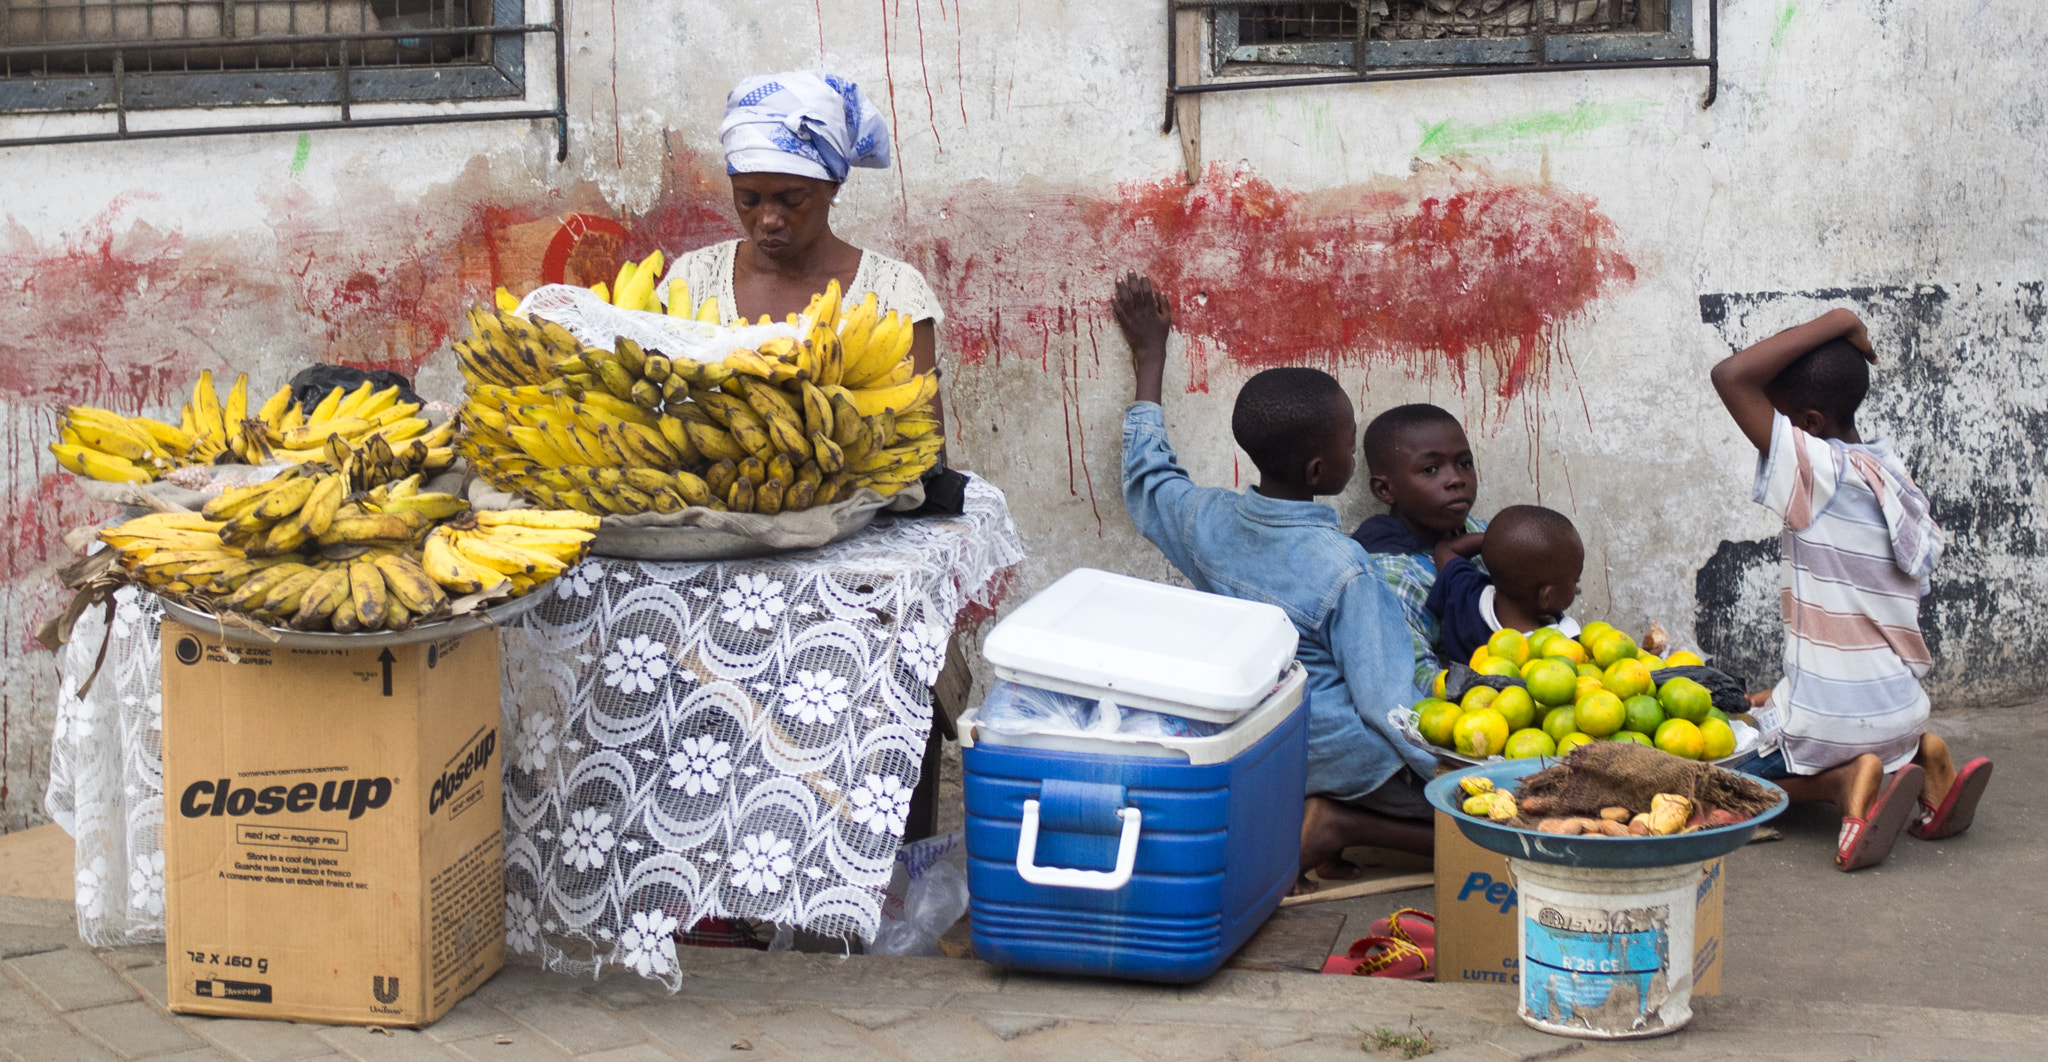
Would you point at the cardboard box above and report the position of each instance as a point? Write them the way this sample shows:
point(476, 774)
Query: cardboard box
point(333, 828)
point(1476, 908)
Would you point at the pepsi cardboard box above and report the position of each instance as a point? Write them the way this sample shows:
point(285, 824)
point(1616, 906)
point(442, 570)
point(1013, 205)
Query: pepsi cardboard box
point(1476, 908)
point(333, 828)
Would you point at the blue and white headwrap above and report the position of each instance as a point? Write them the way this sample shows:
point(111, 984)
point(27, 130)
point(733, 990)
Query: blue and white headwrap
point(805, 123)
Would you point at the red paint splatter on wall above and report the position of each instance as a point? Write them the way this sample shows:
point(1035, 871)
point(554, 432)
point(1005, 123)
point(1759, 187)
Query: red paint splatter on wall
point(1426, 271)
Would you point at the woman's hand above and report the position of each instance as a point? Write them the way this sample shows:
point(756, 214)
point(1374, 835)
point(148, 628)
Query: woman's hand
point(1146, 319)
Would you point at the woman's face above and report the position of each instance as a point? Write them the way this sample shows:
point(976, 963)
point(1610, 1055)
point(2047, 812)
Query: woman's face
point(784, 214)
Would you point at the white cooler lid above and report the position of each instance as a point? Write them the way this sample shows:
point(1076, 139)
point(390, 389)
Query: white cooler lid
point(1145, 645)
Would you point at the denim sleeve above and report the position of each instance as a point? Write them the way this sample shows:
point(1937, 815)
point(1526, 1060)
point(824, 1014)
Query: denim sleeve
point(1156, 488)
point(1369, 632)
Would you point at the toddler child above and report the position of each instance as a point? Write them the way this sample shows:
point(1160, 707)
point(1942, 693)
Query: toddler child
point(1275, 543)
point(1858, 546)
point(1533, 559)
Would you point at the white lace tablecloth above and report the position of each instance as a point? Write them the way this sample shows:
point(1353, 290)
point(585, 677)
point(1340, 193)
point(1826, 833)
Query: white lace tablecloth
point(685, 740)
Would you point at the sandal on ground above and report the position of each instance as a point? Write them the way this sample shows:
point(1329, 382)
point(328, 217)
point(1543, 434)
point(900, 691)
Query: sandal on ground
point(1865, 842)
point(1384, 957)
point(1958, 808)
point(1415, 927)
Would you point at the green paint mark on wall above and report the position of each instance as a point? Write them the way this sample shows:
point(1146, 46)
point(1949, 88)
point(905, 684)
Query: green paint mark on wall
point(1778, 26)
point(299, 156)
point(1536, 129)
point(1780, 23)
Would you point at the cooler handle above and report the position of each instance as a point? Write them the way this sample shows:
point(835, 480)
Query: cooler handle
point(1068, 878)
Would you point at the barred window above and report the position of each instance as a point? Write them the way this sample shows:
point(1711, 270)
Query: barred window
point(1398, 33)
point(120, 59)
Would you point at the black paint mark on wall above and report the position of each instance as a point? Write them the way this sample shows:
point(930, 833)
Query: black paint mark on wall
point(1961, 388)
point(1736, 592)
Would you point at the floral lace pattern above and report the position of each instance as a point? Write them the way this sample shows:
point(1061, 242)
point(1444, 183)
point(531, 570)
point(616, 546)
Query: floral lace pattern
point(685, 741)
point(106, 770)
point(731, 739)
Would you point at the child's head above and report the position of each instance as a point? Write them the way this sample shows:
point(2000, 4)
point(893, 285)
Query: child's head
point(1820, 392)
point(1535, 557)
point(1297, 426)
point(1421, 467)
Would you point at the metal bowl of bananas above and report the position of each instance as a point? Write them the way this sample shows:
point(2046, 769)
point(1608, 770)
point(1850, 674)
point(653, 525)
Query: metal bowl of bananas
point(319, 557)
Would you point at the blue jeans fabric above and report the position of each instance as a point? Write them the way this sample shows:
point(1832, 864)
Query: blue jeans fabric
point(1769, 767)
point(1354, 635)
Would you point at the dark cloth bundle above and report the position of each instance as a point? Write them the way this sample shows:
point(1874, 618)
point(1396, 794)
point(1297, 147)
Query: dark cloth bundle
point(313, 383)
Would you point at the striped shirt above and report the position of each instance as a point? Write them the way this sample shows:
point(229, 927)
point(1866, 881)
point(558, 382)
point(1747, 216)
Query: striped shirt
point(1858, 547)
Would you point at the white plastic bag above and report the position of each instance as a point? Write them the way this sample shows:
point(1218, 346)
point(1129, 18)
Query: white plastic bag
point(597, 323)
point(927, 893)
point(1012, 708)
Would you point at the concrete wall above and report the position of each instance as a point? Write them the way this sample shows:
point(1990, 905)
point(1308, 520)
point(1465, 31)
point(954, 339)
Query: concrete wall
point(1557, 258)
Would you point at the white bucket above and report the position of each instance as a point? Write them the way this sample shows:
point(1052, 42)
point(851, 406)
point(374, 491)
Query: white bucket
point(1606, 954)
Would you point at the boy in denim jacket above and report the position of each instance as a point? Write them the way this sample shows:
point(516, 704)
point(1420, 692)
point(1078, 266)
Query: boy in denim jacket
point(1275, 543)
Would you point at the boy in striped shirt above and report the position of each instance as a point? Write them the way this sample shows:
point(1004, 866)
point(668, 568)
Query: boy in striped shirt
point(1858, 545)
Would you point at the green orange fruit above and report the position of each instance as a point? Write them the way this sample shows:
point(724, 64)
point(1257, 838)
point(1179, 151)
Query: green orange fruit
point(1436, 685)
point(1509, 644)
point(1645, 715)
point(1572, 741)
point(1611, 647)
point(1502, 666)
point(1560, 722)
point(1516, 706)
point(1600, 714)
point(1528, 744)
point(1551, 681)
point(1635, 736)
point(1681, 738)
point(1480, 734)
point(1591, 671)
point(1477, 697)
point(1627, 678)
point(1683, 658)
point(1685, 699)
point(1566, 649)
point(1435, 718)
point(1717, 739)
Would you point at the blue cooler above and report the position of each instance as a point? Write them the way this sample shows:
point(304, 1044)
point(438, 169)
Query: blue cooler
point(1150, 856)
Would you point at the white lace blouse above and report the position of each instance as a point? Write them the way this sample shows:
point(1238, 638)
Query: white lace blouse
point(897, 286)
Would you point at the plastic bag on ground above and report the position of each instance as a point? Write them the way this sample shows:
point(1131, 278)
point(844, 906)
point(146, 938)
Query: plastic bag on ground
point(927, 893)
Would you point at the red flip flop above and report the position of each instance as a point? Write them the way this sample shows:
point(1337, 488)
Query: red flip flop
point(1383, 957)
point(1958, 808)
point(1865, 842)
point(1415, 927)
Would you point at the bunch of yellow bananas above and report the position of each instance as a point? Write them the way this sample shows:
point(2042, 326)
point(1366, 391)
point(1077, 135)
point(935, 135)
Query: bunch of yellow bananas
point(790, 425)
point(526, 547)
point(103, 445)
point(292, 551)
point(508, 350)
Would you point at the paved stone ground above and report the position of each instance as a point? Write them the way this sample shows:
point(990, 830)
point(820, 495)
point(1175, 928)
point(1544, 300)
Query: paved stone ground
point(60, 1001)
point(1933, 957)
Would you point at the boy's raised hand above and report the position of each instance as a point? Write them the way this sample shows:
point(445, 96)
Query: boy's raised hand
point(1741, 378)
point(1145, 318)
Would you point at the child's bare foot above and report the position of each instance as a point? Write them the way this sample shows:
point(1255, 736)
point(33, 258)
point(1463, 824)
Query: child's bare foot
point(1934, 759)
point(1338, 868)
point(1328, 827)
